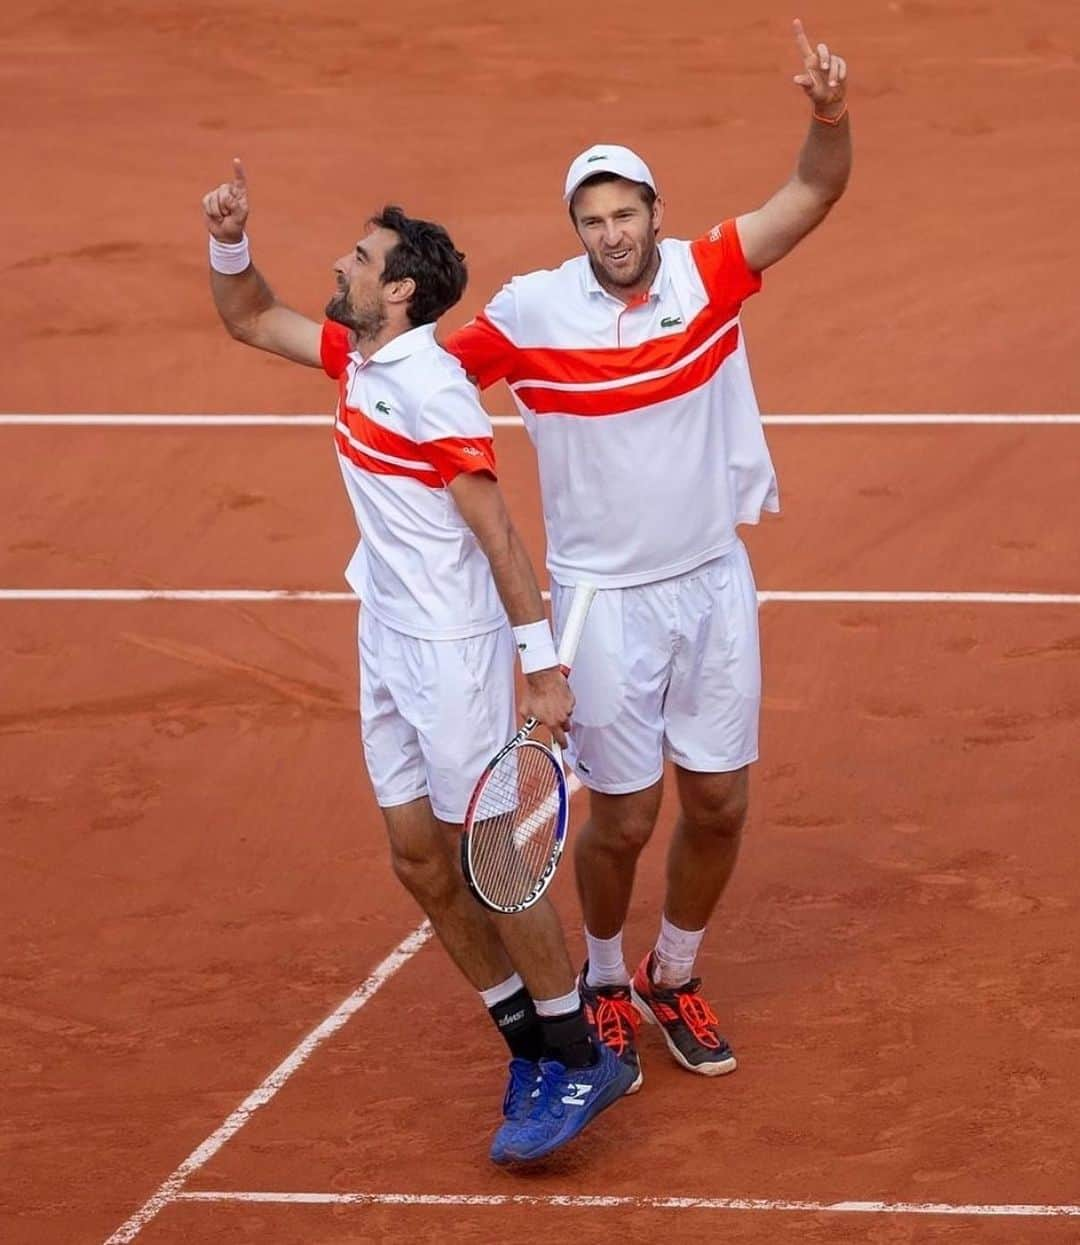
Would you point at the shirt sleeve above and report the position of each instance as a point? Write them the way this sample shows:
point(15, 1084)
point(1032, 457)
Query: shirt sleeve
point(485, 346)
point(334, 349)
point(455, 432)
point(722, 265)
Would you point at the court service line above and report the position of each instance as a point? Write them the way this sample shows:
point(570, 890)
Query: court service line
point(268, 595)
point(171, 1189)
point(149, 420)
point(641, 1202)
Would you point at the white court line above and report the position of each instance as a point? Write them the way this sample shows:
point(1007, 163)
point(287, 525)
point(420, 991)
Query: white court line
point(171, 1190)
point(259, 1097)
point(263, 595)
point(602, 1201)
point(924, 598)
point(147, 420)
point(171, 594)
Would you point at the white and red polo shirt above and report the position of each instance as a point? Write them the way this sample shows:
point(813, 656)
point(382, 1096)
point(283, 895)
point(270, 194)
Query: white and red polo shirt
point(408, 421)
point(644, 417)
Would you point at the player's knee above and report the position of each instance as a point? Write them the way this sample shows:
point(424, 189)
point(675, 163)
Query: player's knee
point(625, 836)
point(623, 824)
point(718, 810)
point(430, 877)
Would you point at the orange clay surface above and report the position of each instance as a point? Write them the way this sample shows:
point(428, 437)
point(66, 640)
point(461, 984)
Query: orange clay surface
point(193, 869)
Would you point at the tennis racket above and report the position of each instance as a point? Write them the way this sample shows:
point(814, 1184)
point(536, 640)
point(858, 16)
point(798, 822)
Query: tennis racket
point(515, 825)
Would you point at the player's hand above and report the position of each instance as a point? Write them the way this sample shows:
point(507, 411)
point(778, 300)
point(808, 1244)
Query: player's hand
point(824, 76)
point(548, 698)
point(226, 207)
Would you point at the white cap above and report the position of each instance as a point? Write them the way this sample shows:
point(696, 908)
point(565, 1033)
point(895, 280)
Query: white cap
point(607, 158)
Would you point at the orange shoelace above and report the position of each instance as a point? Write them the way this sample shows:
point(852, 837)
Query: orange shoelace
point(613, 1018)
point(700, 1019)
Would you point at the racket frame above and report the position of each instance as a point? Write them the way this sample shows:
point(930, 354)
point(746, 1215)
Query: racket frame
point(568, 647)
point(520, 740)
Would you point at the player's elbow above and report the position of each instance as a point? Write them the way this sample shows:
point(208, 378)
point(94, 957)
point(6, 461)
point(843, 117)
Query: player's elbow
point(246, 331)
point(817, 198)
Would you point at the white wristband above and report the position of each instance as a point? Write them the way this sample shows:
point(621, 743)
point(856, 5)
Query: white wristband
point(229, 257)
point(535, 646)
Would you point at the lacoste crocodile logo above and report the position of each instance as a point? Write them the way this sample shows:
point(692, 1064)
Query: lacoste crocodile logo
point(669, 322)
point(382, 408)
point(593, 159)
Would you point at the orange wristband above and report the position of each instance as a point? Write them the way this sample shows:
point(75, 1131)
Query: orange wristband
point(832, 120)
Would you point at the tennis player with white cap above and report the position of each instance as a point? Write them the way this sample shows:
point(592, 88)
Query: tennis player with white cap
point(628, 366)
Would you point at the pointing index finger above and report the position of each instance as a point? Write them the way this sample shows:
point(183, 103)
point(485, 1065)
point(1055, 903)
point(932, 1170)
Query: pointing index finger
point(239, 176)
point(801, 41)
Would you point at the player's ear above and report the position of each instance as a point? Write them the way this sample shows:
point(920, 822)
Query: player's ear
point(657, 215)
point(401, 291)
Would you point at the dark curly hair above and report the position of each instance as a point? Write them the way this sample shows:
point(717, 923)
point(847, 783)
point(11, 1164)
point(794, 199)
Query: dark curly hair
point(426, 253)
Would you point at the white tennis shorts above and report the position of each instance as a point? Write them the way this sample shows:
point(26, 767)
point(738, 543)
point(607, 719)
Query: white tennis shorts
point(668, 669)
point(433, 713)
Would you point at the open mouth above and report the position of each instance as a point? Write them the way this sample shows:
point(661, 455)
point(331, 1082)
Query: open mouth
point(618, 257)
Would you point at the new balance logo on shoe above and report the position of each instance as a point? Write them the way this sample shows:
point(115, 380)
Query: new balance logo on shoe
point(578, 1095)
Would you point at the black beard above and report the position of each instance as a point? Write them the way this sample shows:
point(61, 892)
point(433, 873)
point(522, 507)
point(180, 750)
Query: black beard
point(365, 324)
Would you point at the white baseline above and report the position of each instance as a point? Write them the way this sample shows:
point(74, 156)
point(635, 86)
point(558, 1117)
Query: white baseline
point(257, 596)
point(641, 1202)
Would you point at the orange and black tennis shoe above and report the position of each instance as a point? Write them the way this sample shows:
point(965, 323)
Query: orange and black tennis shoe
point(615, 1021)
point(687, 1022)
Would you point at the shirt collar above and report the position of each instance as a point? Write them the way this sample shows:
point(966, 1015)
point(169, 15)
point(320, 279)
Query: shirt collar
point(400, 347)
point(658, 287)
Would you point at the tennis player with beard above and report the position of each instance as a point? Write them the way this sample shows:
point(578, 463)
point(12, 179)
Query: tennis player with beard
point(629, 368)
point(439, 571)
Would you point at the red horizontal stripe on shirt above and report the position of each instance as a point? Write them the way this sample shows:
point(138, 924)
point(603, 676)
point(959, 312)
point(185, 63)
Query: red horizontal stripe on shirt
point(377, 436)
point(443, 457)
point(632, 397)
point(566, 366)
point(380, 467)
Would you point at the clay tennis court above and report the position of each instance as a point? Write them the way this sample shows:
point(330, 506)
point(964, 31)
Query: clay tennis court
point(221, 1019)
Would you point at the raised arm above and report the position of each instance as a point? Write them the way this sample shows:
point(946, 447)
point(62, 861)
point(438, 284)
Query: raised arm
point(246, 304)
point(823, 166)
point(480, 501)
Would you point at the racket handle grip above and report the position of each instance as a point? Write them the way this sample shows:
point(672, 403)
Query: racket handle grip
point(575, 625)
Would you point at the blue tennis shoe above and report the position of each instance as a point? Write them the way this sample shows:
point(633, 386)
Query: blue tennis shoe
point(521, 1090)
point(562, 1102)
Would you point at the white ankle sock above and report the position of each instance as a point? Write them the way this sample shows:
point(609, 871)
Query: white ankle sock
point(547, 1008)
point(503, 990)
point(606, 964)
point(676, 950)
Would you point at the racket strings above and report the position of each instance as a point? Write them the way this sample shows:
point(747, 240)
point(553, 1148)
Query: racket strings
point(515, 825)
